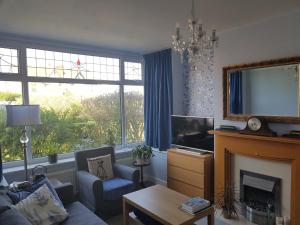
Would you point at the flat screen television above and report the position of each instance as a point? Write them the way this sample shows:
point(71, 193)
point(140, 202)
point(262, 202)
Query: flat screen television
point(192, 132)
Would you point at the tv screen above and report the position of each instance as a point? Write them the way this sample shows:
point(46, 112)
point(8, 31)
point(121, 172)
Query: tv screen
point(192, 132)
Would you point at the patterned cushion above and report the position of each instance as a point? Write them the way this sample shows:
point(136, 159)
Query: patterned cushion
point(101, 167)
point(41, 208)
point(22, 194)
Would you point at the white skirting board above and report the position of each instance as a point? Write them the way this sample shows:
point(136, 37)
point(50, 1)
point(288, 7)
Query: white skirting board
point(155, 180)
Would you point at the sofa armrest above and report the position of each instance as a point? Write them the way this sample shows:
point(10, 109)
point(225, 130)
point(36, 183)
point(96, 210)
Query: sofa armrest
point(65, 192)
point(90, 190)
point(127, 172)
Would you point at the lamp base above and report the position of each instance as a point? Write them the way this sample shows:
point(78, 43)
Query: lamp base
point(24, 140)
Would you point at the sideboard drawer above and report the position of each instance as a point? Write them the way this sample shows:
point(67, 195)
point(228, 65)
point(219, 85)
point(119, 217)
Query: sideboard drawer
point(187, 162)
point(186, 176)
point(185, 189)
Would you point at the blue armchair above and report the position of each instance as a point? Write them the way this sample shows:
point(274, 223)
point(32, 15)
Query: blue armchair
point(104, 197)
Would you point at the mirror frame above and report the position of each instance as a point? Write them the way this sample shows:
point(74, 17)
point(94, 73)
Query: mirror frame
point(263, 64)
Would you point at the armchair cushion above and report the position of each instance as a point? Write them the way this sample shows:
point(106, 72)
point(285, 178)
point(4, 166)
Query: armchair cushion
point(101, 167)
point(81, 156)
point(115, 188)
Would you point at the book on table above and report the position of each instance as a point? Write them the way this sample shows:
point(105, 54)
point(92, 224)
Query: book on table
point(194, 205)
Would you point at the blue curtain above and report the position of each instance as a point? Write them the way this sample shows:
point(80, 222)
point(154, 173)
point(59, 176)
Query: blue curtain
point(158, 99)
point(236, 92)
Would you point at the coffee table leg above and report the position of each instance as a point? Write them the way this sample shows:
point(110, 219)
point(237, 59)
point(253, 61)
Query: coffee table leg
point(211, 218)
point(125, 212)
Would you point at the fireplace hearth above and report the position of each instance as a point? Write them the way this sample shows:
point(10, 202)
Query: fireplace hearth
point(260, 197)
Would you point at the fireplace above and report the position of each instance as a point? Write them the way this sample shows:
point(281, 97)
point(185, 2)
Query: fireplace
point(260, 197)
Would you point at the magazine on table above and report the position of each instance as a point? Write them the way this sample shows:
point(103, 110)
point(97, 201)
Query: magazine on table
point(195, 204)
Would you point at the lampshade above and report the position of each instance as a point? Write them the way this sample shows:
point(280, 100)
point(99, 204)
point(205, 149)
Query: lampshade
point(22, 115)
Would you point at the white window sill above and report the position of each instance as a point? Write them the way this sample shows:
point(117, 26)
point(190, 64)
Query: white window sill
point(31, 166)
point(121, 153)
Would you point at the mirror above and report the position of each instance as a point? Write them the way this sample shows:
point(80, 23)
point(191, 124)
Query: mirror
point(269, 89)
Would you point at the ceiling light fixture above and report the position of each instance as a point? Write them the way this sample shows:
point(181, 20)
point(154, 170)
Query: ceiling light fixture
point(199, 47)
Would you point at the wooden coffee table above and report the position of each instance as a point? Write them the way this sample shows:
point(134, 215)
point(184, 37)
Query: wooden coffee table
point(162, 204)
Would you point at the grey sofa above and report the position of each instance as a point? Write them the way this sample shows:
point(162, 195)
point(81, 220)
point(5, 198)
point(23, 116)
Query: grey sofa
point(78, 213)
point(104, 197)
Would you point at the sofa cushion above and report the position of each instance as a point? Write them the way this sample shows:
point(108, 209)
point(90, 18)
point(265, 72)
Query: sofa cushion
point(13, 217)
point(80, 215)
point(22, 194)
point(41, 208)
point(5, 203)
point(117, 187)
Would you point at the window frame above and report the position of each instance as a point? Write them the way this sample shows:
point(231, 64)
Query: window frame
point(22, 43)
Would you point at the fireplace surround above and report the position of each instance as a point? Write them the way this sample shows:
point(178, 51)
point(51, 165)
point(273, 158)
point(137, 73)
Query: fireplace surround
point(279, 149)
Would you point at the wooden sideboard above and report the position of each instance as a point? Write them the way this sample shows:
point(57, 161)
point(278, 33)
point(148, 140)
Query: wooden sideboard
point(190, 173)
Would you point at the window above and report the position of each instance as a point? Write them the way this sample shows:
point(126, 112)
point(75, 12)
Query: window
point(134, 113)
point(43, 63)
point(86, 101)
point(74, 116)
point(10, 94)
point(133, 71)
point(8, 60)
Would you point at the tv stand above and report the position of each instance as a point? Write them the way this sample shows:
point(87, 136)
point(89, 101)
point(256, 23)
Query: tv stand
point(190, 172)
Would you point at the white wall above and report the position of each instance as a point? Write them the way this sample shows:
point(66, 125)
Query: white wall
point(177, 72)
point(270, 39)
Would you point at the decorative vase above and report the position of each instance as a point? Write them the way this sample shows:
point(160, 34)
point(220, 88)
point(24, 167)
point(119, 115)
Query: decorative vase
point(52, 158)
point(226, 214)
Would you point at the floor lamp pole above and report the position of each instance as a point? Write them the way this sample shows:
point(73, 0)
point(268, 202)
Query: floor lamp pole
point(24, 140)
point(25, 160)
point(23, 115)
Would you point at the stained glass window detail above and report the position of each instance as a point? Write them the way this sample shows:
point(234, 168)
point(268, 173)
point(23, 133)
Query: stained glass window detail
point(133, 71)
point(8, 60)
point(42, 63)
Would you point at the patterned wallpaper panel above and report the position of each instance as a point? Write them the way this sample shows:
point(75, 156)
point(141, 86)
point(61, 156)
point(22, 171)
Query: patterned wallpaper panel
point(199, 91)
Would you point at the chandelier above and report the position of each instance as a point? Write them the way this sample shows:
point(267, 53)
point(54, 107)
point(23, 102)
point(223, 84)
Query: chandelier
point(199, 47)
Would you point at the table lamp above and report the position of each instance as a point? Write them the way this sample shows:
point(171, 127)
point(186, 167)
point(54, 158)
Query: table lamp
point(23, 115)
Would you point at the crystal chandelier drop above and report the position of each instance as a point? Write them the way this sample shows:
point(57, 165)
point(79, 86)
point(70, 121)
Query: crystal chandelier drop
point(199, 47)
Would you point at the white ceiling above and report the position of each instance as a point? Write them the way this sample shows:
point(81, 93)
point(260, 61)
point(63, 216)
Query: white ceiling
point(140, 26)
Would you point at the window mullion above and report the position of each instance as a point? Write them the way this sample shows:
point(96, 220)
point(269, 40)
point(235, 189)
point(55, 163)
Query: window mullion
point(122, 104)
point(25, 94)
